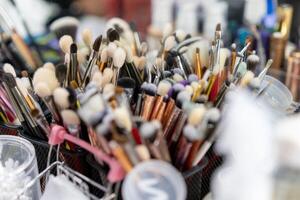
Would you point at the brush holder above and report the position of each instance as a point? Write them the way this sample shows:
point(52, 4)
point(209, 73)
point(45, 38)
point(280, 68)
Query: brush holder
point(75, 160)
point(197, 179)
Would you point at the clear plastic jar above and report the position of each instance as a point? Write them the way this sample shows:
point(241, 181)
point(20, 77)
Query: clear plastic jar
point(18, 166)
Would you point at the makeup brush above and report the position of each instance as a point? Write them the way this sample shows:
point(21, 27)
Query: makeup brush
point(112, 35)
point(87, 37)
point(60, 72)
point(136, 37)
point(65, 42)
point(61, 98)
point(180, 35)
point(107, 76)
point(159, 105)
point(129, 85)
point(131, 66)
point(233, 58)
point(43, 91)
point(144, 48)
point(252, 62)
point(118, 61)
point(189, 138)
point(65, 26)
point(169, 43)
point(149, 100)
point(50, 66)
point(249, 75)
point(73, 66)
point(71, 122)
point(92, 60)
point(111, 48)
point(47, 76)
point(154, 142)
point(8, 68)
point(103, 59)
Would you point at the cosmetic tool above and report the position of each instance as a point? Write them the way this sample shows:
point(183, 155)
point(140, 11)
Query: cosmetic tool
point(118, 62)
point(92, 60)
point(149, 100)
point(65, 26)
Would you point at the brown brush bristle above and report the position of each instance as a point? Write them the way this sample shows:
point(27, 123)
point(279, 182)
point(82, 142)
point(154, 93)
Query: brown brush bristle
point(24, 73)
point(197, 50)
point(218, 27)
point(97, 43)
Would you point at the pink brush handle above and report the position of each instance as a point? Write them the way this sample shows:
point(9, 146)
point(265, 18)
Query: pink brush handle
point(59, 134)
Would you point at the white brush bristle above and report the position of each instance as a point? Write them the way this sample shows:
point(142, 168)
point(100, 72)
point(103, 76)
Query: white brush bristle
point(136, 61)
point(189, 89)
point(177, 77)
point(119, 57)
point(21, 87)
point(213, 114)
point(104, 55)
point(26, 83)
point(81, 55)
point(65, 43)
point(108, 90)
point(47, 76)
point(191, 133)
point(50, 66)
point(8, 68)
point(111, 48)
point(180, 34)
point(62, 22)
point(123, 118)
point(42, 90)
point(88, 110)
point(147, 130)
point(97, 79)
point(170, 43)
point(61, 98)
point(129, 56)
point(142, 63)
point(224, 54)
point(196, 115)
point(247, 78)
point(163, 88)
point(70, 117)
point(167, 30)
point(107, 76)
point(87, 37)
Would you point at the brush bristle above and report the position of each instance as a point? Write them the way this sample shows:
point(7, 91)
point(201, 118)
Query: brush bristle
point(142, 63)
point(196, 115)
point(144, 48)
point(60, 72)
point(91, 107)
point(26, 83)
point(111, 48)
point(73, 48)
point(192, 78)
point(65, 43)
point(147, 130)
point(61, 98)
point(126, 82)
point(107, 76)
point(191, 133)
point(112, 35)
point(189, 89)
point(163, 88)
point(21, 87)
point(87, 37)
point(108, 90)
point(183, 97)
point(119, 57)
point(97, 43)
point(47, 76)
point(97, 78)
point(180, 34)
point(247, 78)
point(8, 68)
point(49, 65)
point(177, 77)
point(170, 43)
point(82, 55)
point(213, 115)
point(167, 30)
point(42, 90)
point(65, 26)
point(123, 118)
point(150, 89)
point(70, 117)
point(103, 57)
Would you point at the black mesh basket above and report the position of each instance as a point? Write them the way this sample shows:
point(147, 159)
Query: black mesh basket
point(197, 179)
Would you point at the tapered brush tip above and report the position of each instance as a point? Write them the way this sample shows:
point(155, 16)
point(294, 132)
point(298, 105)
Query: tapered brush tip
point(97, 43)
point(112, 35)
point(8, 68)
point(119, 57)
point(170, 43)
point(197, 50)
point(107, 76)
point(163, 88)
point(111, 48)
point(65, 43)
point(103, 55)
point(73, 48)
point(218, 27)
point(87, 37)
point(70, 117)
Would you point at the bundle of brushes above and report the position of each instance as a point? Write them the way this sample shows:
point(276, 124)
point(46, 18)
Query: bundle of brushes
point(132, 103)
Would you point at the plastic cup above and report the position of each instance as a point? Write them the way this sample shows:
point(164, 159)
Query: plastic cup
point(18, 166)
point(154, 179)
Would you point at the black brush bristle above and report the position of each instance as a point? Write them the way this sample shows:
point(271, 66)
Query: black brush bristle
point(113, 34)
point(97, 43)
point(60, 72)
point(73, 48)
point(126, 82)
